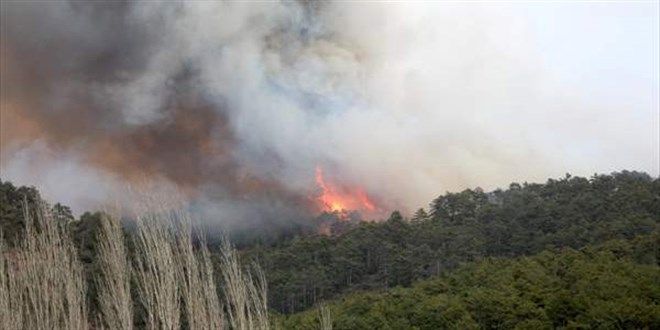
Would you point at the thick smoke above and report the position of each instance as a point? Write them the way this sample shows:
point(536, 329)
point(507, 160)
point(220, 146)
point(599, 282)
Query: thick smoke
point(236, 104)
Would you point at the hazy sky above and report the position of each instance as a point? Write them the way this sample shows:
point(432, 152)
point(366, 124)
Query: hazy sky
point(605, 54)
point(238, 103)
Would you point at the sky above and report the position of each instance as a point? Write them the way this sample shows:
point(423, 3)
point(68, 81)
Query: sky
point(238, 104)
point(607, 54)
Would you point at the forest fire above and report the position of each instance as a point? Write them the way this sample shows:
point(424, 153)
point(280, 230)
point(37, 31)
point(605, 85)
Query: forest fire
point(335, 198)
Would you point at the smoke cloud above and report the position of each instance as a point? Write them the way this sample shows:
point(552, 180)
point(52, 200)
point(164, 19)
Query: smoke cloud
point(237, 104)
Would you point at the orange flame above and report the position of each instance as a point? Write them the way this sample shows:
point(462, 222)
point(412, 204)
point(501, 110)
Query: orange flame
point(334, 198)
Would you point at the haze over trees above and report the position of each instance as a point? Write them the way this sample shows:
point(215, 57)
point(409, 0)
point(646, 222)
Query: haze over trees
point(524, 219)
point(573, 252)
point(58, 273)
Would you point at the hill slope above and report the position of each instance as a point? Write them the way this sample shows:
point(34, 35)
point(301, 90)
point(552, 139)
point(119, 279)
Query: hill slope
point(460, 227)
point(611, 286)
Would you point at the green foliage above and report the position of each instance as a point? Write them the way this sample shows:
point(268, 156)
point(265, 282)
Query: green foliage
point(470, 226)
point(597, 287)
point(460, 227)
point(12, 205)
point(12, 201)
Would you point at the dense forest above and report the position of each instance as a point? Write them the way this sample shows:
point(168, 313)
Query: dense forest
point(524, 219)
point(609, 286)
point(576, 252)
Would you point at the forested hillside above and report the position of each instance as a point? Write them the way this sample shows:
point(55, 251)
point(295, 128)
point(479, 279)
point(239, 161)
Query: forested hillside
point(611, 286)
point(524, 219)
point(554, 219)
point(300, 164)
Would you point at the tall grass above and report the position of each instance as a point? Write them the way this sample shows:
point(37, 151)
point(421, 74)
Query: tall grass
point(42, 281)
point(5, 311)
point(245, 292)
point(114, 291)
point(325, 317)
point(156, 273)
point(195, 275)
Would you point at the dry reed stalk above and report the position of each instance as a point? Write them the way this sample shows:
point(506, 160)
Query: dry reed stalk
point(11, 300)
point(156, 273)
point(42, 282)
point(214, 308)
point(114, 294)
point(171, 274)
point(199, 294)
point(5, 312)
point(325, 317)
point(245, 296)
point(45, 279)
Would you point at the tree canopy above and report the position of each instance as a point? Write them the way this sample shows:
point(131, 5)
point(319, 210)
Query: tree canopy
point(611, 286)
point(524, 219)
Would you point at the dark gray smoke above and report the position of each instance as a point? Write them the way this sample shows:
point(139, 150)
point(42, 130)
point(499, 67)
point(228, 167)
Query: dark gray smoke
point(114, 84)
point(236, 104)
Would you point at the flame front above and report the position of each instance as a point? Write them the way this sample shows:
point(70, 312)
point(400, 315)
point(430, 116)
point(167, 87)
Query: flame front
point(334, 198)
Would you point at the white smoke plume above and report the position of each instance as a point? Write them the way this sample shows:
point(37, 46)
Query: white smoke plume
point(237, 103)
